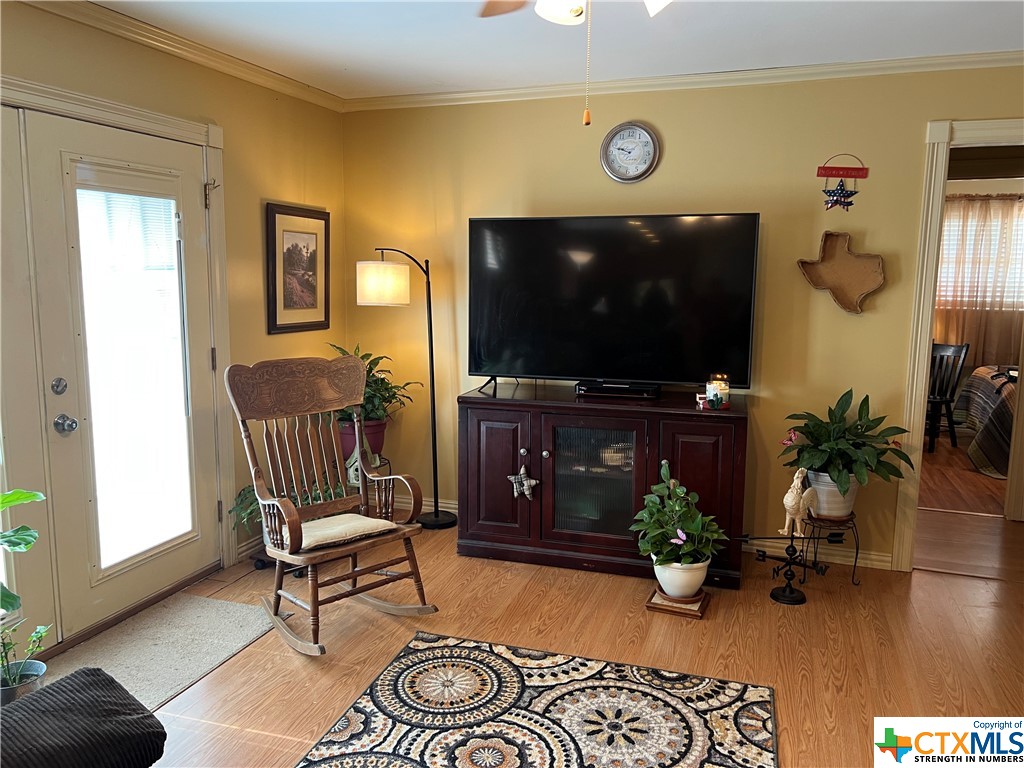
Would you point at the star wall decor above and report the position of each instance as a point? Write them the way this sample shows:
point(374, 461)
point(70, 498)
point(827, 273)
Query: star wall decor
point(523, 483)
point(848, 276)
point(839, 196)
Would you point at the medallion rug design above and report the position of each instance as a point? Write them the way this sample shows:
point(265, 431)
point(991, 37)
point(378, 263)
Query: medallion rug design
point(447, 701)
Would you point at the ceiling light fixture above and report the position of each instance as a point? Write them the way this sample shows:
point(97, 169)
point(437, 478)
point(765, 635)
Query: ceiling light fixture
point(654, 6)
point(568, 12)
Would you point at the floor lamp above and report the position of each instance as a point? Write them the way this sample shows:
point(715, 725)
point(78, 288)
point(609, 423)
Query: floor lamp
point(386, 284)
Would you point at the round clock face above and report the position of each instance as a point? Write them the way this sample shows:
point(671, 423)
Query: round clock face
point(629, 152)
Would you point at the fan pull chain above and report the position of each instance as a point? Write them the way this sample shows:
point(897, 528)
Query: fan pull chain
point(586, 97)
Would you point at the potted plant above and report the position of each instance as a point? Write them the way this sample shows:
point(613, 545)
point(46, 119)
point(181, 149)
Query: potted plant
point(381, 398)
point(838, 449)
point(18, 677)
point(679, 539)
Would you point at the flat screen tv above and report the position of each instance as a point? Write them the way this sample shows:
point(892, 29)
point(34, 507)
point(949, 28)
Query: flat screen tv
point(664, 299)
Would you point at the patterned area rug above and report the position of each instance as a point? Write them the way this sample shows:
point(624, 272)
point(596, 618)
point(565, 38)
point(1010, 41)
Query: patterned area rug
point(446, 701)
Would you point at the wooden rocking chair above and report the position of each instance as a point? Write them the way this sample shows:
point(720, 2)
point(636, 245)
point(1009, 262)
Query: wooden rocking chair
point(310, 517)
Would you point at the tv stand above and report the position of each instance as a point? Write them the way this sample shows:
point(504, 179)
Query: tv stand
point(602, 388)
point(594, 460)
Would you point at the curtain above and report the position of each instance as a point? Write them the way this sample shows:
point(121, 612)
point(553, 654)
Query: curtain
point(980, 296)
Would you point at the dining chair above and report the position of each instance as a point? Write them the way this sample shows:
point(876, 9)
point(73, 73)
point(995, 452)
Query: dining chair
point(947, 364)
point(311, 517)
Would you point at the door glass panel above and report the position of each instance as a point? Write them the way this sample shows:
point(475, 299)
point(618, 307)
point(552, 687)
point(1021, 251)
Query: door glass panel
point(134, 341)
point(593, 488)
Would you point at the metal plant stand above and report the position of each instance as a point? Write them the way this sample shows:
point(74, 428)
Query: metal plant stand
point(821, 524)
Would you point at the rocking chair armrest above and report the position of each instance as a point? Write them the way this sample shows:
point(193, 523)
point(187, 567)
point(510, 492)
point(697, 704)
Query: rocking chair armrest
point(414, 491)
point(273, 523)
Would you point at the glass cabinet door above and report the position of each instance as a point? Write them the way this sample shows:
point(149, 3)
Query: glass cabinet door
point(593, 479)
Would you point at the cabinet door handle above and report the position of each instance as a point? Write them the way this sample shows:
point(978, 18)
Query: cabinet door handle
point(546, 454)
point(523, 451)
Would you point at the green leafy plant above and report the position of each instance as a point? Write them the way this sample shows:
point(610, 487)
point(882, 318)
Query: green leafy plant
point(671, 527)
point(246, 508)
point(382, 397)
point(842, 446)
point(18, 539)
point(10, 666)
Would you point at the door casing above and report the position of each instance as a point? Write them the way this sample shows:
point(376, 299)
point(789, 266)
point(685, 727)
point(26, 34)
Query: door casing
point(26, 462)
point(941, 136)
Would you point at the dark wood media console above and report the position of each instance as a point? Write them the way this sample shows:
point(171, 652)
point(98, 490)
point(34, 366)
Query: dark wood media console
point(595, 458)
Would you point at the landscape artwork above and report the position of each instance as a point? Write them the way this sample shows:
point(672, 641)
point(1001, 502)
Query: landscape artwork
point(299, 249)
point(298, 269)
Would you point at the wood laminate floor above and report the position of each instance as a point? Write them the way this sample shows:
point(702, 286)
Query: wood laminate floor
point(960, 523)
point(921, 644)
point(949, 481)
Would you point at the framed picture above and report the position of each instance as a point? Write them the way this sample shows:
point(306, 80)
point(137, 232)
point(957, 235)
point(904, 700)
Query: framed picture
point(298, 269)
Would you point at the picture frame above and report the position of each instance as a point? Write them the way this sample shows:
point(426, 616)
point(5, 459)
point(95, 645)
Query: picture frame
point(298, 269)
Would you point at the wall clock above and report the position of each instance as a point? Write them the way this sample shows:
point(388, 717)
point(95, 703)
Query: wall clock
point(629, 152)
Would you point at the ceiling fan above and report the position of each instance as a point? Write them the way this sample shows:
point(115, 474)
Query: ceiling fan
point(569, 12)
point(558, 11)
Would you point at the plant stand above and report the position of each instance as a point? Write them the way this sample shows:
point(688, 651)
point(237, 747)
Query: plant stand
point(689, 607)
point(818, 525)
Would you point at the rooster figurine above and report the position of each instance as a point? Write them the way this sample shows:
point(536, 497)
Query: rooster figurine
point(797, 501)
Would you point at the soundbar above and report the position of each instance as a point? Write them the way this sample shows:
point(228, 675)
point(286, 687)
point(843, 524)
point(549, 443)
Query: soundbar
point(598, 387)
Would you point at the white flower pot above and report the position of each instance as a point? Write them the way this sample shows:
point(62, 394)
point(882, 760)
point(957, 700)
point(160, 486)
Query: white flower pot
point(678, 580)
point(831, 503)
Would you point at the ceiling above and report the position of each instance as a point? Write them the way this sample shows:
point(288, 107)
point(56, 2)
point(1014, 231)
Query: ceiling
point(362, 50)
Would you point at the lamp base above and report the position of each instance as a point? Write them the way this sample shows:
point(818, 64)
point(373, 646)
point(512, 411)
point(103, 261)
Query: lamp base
point(437, 519)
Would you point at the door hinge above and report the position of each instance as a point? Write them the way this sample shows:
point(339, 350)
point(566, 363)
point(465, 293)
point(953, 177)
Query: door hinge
point(208, 187)
point(220, 511)
point(213, 358)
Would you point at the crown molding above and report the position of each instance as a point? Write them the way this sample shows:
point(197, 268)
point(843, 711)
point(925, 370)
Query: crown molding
point(709, 80)
point(145, 34)
point(115, 23)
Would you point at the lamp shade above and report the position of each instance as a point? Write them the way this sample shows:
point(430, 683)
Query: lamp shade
point(382, 283)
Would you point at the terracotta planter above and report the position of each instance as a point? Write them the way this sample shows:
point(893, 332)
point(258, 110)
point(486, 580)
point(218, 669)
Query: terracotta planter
point(832, 504)
point(374, 431)
point(678, 580)
point(32, 678)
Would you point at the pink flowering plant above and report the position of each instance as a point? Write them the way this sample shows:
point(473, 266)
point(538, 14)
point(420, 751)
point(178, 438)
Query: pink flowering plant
point(671, 528)
point(842, 446)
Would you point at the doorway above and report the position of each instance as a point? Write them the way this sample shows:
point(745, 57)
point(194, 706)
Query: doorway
point(110, 396)
point(942, 135)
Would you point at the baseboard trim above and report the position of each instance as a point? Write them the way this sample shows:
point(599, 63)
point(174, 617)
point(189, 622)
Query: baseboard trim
point(840, 554)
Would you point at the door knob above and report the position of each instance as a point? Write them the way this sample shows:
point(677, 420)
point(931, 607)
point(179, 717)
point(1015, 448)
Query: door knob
point(523, 451)
point(64, 423)
point(546, 454)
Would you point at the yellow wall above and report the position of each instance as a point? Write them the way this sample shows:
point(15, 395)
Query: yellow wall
point(414, 177)
point(411, 178)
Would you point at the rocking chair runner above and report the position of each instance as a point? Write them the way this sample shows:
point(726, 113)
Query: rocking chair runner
point(309, 517)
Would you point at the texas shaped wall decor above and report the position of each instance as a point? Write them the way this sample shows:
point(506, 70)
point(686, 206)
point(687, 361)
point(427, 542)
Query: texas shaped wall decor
point(848, 276)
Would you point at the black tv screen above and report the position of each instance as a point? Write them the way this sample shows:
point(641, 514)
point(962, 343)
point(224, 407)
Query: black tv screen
point(664, 299)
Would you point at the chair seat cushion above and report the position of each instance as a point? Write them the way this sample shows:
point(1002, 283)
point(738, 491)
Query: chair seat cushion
point(341, 529)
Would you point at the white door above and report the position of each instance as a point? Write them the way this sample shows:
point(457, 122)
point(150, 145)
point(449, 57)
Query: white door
point(121, 258)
